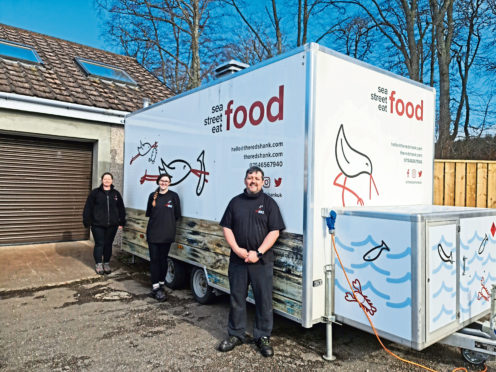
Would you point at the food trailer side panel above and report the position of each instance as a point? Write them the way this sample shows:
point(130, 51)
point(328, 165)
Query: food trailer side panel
point(367, 122)
point(415, 286)
point(206, 139)
point(477, 264)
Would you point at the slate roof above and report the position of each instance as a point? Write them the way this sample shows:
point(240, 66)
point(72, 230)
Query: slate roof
point(61, 78)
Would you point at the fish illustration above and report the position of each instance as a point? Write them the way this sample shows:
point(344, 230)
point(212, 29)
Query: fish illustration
point(358, 296)
point(483, 245)
point(374, 253)
point(442, 254)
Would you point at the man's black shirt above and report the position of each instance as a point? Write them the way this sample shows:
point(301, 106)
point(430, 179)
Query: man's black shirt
point(251, 217)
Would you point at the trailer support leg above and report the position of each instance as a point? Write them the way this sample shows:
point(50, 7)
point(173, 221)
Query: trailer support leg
point(492, 320)
point(329, 318)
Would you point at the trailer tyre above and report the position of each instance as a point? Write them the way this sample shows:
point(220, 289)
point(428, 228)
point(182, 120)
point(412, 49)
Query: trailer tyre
point(176, 274)
point(474, 357)
point(202, 292)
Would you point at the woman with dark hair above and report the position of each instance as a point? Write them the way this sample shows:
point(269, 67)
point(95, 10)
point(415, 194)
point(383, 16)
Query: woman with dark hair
point(104, 211)
point(164, 209)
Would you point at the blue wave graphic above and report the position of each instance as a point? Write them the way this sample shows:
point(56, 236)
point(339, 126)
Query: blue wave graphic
point(466, 310)
point(447, 243)
point(442, 265)
point(464, 289)
point(489, 258)
point(476, 257)
point(348, 271)
point(406, 277)
point(397, 256)
point(345, 247)
point(474, 298)
point(476, 277)
point(464, 247)
point(370, 263)
point(440, 290)
point(453, 294)
point(339, 286)
point(443, 311)
point(492, 240)
point(399, 305)
point(476, 236)
point(368, 240)
point(372, 288)
point(491, 278)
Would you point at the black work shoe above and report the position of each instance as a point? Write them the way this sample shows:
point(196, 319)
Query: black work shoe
point(158, 294)
point(263, 344)
point(230, 343)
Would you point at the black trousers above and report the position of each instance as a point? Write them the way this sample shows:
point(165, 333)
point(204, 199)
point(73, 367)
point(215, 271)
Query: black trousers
point(104, 237)
point(158, 261)
point(259, 275)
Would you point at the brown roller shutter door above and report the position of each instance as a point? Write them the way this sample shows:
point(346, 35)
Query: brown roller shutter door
point(43, 187)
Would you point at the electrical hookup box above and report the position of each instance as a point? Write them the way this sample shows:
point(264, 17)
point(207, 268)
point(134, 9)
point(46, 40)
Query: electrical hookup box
point(421, 272)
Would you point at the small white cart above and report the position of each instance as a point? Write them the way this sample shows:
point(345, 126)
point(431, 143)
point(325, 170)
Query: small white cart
point(423, 273)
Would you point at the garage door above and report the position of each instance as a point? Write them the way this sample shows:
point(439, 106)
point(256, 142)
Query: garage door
point(43, 187)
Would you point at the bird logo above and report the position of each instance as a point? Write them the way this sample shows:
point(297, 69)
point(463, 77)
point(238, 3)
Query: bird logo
point(352, 163)
point(278, 181)
point(179, 170)
point(143, 149)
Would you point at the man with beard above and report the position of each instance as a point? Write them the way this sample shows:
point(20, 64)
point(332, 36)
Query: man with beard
point(251, 225)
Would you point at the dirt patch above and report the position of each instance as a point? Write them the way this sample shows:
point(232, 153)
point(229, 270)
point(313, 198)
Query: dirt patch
point(61, 362)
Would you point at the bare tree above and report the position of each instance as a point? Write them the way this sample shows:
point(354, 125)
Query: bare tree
point(165, 35)
point(270, 28)
point(473, 16)
point(353, 37)
point(258, 29)
point(404, 24)
point(315, 9)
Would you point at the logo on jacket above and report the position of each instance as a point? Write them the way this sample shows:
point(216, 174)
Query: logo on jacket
point(260, 210)
point(116, 198)
point(169, 204)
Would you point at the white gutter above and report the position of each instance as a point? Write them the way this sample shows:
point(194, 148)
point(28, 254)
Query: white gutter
point(59, 108)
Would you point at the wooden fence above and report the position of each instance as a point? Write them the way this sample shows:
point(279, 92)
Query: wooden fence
point(470, 183)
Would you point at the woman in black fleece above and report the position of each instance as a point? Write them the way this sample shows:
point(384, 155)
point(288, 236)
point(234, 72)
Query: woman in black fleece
point(104, 211)
point(164, 209)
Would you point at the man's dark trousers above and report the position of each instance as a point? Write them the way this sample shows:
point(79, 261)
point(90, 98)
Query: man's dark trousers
point(259, 275)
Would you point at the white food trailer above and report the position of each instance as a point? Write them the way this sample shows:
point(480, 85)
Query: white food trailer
point(330, 132)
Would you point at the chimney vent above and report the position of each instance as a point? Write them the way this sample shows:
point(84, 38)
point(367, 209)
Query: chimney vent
point(229, 68)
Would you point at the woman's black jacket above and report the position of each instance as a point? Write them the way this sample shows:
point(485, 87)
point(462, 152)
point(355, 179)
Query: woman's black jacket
point(104, 209)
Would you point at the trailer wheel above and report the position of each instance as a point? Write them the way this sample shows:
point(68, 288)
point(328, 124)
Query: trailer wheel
point(474, 357)
point(202, 292)
point(176, 274)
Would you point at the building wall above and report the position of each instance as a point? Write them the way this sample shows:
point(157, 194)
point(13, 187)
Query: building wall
point(108, 139)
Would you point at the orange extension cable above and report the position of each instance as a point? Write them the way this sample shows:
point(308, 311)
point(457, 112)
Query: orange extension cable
point(375, 331)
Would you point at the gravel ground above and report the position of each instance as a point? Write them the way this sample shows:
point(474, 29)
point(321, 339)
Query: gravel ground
point(109, 323)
